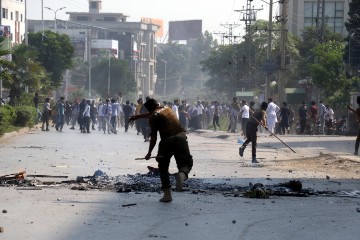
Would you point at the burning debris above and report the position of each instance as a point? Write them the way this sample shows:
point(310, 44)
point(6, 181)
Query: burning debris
point(150, 182)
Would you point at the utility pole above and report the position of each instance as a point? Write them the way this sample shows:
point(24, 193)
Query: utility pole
point(283, 38)
point(320, 20)
point(222, 34)
point(233, 62)
point(249, 16)
point(268, 53)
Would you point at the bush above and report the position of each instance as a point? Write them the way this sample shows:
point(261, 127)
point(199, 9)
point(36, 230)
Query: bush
point(7, 118)
point(25, 116)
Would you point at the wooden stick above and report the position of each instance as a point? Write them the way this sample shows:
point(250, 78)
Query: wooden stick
point(272, 133)
point(47, 176)
point(150, 157)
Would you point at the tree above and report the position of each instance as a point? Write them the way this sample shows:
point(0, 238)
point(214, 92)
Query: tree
point(55, 53)
point(25, 71)
point(310, 41)
point(121, 79)
point(328, 72)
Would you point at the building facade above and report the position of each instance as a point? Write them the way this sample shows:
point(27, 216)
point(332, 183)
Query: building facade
point(136, 40)
point(12, 20)
point(308, 13)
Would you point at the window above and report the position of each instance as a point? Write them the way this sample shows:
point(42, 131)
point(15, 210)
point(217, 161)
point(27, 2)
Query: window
point(21, 18)
point(16, 16)
point(93, 5)
point(5, 13)
point(109, 19)
point(334, 15)
point(11, 16)
point(82, 18)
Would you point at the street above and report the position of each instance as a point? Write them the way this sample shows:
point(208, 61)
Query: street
point(55, 211)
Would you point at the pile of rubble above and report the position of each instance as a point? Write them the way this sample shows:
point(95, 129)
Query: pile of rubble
point(150, 182)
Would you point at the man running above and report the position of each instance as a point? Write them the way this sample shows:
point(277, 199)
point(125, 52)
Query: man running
point(259, 117)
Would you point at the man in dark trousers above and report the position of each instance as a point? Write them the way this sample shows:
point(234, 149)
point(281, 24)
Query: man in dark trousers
point(357, 112)
point(127, 109)
point(173, 143)
point(258, 117)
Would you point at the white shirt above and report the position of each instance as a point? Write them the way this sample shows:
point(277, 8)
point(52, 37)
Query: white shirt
point(272, 109)
point(245, 111)
point(329, 114)
point(176, 110)
point(86, 112)
point(199, 109)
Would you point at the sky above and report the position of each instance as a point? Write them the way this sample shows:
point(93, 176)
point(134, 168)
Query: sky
point(214, 13)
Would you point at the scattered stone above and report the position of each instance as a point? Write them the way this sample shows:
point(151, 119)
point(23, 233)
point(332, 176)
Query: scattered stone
point(358, 210)
point(1, 229)
point(186, 224)
point(290, 171)
point(233, 221)
point(327, 177)
point(4, 211)
point(59, 199)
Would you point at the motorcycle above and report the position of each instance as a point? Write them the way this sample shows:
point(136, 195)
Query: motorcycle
point(339, 125)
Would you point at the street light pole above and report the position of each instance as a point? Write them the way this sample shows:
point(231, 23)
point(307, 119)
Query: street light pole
point(55, 11)
point(164, 76)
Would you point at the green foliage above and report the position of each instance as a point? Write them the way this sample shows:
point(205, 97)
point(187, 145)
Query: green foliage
point(55, 53)
point(306, 46)
point(328, 70)
point(26, 99)
point(121, 79)
point(7, 118)
point(25, 116)
point(25, 71)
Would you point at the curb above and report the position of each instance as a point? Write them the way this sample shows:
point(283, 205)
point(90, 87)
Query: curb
point(13, 134)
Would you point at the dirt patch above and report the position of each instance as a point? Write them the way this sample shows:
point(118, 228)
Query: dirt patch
point(325, 164)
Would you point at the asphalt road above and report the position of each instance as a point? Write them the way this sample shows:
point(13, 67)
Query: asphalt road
point(58, 213)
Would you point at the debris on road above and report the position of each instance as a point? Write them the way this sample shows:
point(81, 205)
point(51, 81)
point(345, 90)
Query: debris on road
point(129, 205)
point(150, 182)
point(13, 176)
point(46, 176)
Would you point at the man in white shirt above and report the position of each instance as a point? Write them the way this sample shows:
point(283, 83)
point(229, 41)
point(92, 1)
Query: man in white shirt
point(114, 114)
point(175, 108)
point(107, 111)
point(322, 110)
point(328, 116)
point(86, 117)
point(245, 114)
point(199, 109)
point(271, 111)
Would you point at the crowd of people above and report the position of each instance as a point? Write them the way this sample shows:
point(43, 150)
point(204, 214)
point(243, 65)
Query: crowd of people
point(111, 114)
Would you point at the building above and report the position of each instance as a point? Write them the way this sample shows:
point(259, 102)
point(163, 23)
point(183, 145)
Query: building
point(136, 40)
point(12, 20)
point(305, 13)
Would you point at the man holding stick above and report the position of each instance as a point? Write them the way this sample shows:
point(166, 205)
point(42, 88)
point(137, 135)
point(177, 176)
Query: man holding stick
point(259, 117)
point(173, 143)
